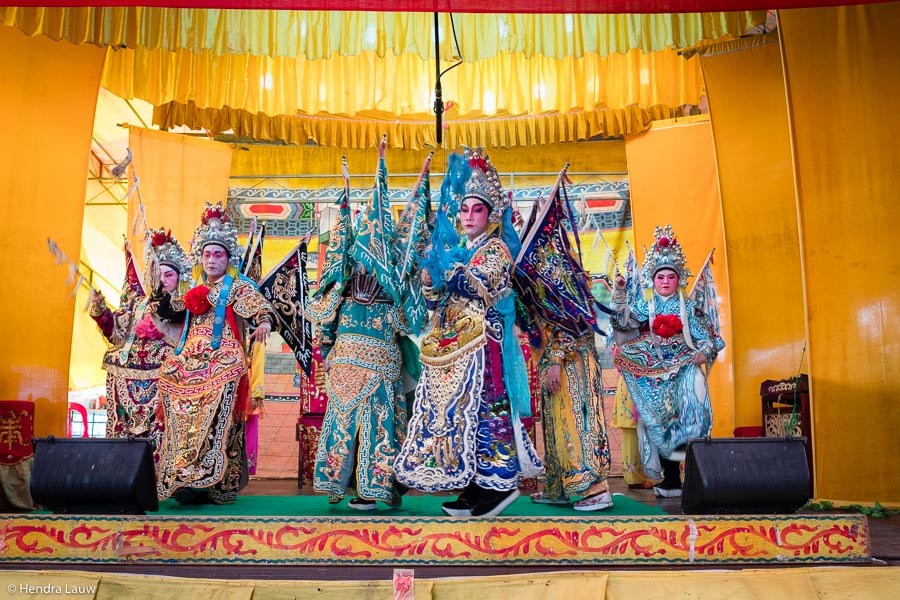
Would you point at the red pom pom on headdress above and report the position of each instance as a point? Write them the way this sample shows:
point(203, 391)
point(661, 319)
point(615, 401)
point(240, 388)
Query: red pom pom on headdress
point(196, 300)
point(478, 162)
point(663, 242)
point(161, 238)
point(214, 212)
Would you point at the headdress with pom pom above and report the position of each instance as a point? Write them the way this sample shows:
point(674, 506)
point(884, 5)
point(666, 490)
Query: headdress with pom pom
point(216, 228)
point(169, 252)
point(163, 249)
point(665, 253)
point(484, 184)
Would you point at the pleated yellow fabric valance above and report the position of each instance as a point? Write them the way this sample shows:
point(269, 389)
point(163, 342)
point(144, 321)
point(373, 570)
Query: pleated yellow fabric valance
point(360, 133)
point(401, 85)
point(321, 34)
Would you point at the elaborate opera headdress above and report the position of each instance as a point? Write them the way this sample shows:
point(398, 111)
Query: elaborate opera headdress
point(216, 228)
point(484, 184)
point(665, 253)
point(169, 252)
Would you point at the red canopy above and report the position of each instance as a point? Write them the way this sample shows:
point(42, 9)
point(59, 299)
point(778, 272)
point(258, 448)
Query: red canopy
point(468, 6)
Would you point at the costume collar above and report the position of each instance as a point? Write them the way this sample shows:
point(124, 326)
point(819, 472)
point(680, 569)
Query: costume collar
point(477, 241)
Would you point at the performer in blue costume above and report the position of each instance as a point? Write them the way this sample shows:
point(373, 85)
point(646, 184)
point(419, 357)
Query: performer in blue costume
point(465, 431)
point(661, 365)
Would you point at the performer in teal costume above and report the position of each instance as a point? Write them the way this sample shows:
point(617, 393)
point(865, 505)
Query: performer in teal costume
point(662, 364)
point(362, 324)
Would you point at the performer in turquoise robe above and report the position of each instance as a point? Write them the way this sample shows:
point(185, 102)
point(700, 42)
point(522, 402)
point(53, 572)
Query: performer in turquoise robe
point(662, 364)
point(360, 323)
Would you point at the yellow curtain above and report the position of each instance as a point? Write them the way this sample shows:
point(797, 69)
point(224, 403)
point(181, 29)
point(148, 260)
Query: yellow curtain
point(748, 110)
point(848, 173)
point(401, 85)
point(322, 34)
point(672, 173)
point(260, 160)
point(101, 252)
point(88, 346)
point(358, 132)
point(49, 93)
point(178, 175)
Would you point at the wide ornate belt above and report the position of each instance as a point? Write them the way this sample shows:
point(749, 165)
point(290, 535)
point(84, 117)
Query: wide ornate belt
point(453, 339)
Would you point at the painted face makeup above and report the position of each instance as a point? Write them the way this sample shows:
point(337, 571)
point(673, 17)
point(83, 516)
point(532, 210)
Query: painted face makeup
point(169, 277)
point(215, 262)
point(665, 281)
point(473, 215)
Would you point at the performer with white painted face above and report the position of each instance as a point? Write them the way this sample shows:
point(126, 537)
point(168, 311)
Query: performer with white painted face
point(672, 338)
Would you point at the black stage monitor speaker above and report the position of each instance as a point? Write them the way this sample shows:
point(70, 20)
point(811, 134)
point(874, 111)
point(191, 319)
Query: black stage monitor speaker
point(94, 476)
point(745, 476)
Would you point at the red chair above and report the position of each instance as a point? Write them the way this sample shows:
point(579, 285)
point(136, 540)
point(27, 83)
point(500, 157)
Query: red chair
point(82, 411)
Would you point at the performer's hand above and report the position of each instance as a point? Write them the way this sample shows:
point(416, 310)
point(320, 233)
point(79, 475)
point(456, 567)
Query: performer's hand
point(699, 359)
point(619, 281)
point(426, 278)
point(262, 332)
point(553, 378)
point(97, 299)
point(326, 364)
point(158, 293)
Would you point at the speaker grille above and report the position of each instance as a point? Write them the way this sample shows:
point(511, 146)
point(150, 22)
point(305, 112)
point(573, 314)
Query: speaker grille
point(94, 476)
point(745, 476)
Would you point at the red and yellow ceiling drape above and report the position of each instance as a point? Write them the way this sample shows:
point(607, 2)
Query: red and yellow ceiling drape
point(343, 78)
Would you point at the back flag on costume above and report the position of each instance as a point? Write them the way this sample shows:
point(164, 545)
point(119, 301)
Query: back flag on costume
point(410, 237)
point(550, 280)
point(703, 293)
point(251, 267)
point(287, 289)
point(632, 278)
point(132, 283)
point(375, 233)
point(340, 240)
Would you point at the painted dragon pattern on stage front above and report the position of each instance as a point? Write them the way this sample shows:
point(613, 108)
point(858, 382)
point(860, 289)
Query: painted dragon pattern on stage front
point(435, 541)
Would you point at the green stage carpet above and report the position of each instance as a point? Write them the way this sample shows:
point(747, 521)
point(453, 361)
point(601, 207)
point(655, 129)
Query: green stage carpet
point(413, 506)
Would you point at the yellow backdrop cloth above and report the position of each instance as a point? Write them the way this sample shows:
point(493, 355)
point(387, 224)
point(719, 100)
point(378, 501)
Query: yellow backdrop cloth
point(606, 157)
point(414, 133)
point(48, 94)
point(321, 34)
point(672, 173)
point(748, 110)
point(178, 174)
point(401, 85)
point(848, 173)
